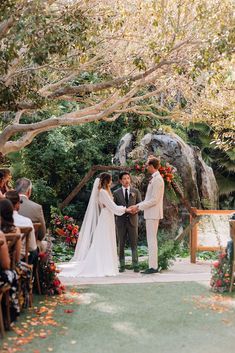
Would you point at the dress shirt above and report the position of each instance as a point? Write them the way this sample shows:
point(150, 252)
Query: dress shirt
point(21, 221)
point(128, 191)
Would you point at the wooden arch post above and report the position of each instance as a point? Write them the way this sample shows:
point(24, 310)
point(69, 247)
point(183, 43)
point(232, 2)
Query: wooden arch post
point(87, 177)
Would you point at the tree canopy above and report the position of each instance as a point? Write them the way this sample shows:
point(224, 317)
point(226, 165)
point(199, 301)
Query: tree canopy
point(72, 62)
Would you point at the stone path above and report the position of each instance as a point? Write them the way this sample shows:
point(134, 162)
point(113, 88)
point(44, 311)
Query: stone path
point(181, 271)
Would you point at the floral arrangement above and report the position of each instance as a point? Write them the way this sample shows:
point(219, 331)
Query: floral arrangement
point(48, 274)
point(166, 170)
point(221, 274)
point(65, 227)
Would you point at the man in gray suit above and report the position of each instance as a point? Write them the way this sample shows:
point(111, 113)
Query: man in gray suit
point(127, 224)
point(29, 208)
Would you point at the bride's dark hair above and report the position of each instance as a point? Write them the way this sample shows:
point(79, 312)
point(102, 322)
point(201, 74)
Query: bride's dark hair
point(104, 181)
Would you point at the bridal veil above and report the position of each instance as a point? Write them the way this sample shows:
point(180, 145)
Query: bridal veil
point(88, 225)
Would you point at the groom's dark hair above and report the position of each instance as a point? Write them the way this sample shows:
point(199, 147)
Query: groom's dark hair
point(154, 162)
point(121, 175)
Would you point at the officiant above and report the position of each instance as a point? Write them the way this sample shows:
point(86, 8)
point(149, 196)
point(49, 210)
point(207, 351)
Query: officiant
point(127, 224)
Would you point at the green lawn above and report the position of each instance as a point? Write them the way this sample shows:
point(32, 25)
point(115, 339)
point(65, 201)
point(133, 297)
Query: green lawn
point(139, 318)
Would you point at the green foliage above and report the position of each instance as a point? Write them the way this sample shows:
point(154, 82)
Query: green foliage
point(57, 161)
point(61, 252)
point(167, 253)
point(37, 35)
point(207, 255)
point(221, 160)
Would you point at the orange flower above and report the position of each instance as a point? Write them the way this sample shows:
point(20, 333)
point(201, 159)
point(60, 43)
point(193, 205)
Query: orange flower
point(60, 232)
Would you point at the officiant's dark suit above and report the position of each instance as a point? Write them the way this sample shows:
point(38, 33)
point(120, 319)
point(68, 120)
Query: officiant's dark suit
point(127, 224)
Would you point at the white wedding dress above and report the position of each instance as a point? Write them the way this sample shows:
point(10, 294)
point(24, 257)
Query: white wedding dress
point(96, 251)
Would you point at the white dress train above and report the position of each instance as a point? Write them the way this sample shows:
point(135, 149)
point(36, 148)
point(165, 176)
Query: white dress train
point(101, 259)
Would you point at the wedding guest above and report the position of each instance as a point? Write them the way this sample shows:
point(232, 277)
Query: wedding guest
point(1, 185)
point(22, 269)
point(7, 177)
point(29, 208)
point(8, 276)
point(7, 223)
point(21, 221)
point(127, 224)
point(229, 249)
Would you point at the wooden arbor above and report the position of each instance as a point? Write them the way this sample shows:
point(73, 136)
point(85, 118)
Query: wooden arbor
point(87, 177)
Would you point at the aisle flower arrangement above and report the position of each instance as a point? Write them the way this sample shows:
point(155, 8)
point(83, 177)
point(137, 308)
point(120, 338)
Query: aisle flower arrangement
point(65, 227)
point(221, 274)
point(48, 274)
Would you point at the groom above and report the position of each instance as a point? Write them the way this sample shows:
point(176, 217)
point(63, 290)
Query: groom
point(153, 211)
point(127, 224)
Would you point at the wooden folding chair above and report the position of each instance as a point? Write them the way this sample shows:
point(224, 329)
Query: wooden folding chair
point(4, 292)
point(232, 235)
point(11, 239)
point(37, 226)
point(25, 235)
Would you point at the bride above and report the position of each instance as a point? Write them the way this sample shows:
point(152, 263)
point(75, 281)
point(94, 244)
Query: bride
point(96, 251)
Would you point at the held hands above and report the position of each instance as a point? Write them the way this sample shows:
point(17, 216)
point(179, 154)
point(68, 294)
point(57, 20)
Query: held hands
point(132, 209)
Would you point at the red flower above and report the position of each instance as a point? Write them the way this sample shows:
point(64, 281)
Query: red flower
point(74, 231)
point(56, 283)
point(69, 227)
point(216, 264)
point(42, 255)
point(218, 283)
point(66, 218)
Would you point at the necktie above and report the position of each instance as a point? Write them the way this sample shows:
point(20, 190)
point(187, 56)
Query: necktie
point(126, 196)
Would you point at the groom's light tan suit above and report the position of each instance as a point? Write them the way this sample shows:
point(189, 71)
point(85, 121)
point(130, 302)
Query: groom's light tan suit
point(153, 212)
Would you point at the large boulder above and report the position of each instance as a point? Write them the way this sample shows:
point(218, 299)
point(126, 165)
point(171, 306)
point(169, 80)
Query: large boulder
point(197, 177)
point(198, 180)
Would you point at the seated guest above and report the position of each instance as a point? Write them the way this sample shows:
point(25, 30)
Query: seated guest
point(1, 185)
point(21, 221)
point(8, 276)
point(6, 186)
point(7, 223)
point(23, 269)
point(29, 208)
point(230, 253)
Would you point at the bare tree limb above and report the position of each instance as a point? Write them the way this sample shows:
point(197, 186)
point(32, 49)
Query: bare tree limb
point(91, 88)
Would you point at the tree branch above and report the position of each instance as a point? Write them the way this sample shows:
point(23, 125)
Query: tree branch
point(5, 26)
point(91, 88)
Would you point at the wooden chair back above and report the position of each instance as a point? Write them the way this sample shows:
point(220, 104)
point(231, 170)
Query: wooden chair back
point(36, 226)
point(25, 234)
point(11, 239)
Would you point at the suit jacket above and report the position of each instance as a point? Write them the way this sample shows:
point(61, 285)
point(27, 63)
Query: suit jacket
point(153, 202)
point(33, 211)
point(119, 199)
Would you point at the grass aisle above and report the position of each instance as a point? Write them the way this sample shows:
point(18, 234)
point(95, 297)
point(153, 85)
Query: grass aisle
point(164, 318)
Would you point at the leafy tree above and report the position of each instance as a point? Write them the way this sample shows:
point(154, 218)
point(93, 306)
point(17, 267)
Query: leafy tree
point(57, 161)
point(103, 58)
